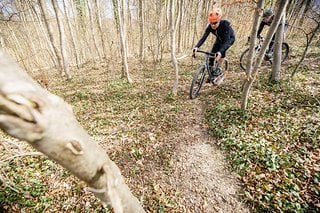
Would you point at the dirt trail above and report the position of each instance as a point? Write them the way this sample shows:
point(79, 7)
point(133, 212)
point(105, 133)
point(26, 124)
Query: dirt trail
point(183, 166)
point(205, 182)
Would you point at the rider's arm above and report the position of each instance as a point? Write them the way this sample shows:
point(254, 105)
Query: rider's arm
point(204, 37)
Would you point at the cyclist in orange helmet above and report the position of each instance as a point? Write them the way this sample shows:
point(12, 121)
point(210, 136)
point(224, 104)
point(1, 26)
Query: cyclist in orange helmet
point(225, 37)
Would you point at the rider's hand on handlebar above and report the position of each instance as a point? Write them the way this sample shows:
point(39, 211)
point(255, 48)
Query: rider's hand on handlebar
point(194, 50)
point(218, 56)
point(260, 38)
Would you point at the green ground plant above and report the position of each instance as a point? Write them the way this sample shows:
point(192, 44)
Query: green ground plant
point(275, 145)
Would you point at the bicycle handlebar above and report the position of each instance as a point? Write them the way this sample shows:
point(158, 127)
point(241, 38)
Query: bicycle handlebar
point(260, 39)
point(209, 54)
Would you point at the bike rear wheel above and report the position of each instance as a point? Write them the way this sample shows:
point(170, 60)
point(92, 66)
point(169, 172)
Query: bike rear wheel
point(197, 82)
point(285, 51)
point(244, 55)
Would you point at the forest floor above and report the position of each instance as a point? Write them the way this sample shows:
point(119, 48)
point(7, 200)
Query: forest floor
point(161, 143)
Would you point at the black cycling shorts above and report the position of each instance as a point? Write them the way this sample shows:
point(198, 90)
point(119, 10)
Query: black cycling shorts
point(216, 47)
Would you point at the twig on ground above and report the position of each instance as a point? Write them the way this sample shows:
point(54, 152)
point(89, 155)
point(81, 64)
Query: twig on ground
point(11, 143)
point(22, 155)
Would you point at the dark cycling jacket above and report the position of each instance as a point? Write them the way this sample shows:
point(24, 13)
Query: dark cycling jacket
point(262, 24)
point(224, 33)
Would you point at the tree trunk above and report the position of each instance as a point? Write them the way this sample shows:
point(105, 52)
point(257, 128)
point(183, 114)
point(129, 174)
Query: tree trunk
point(62, 36)
point(19, 51)
point(141, 28)
point(98, 14)
point(73, 38)
point(79, 9)
point(277, 52)
point(179, 24)
point(196, 21)
point(122, 39)
point(173, 46)
point(248, 83)
point(31, 113)
point(30, 38)
point(91, 23)
point(45, 41)
point(50, 34)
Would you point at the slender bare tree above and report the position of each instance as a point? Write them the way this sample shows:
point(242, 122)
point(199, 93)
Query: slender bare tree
point(73, 35)
point(44, 40)
point(277, 52)
point(62, 36)
point(254, 30)
point(97, 10)
point(49, 28)
point(315, 17)
point(141, 28)
point(92, 29)
point(249, 81)
point(118, 8)
point(173, 45)
point(179, 25)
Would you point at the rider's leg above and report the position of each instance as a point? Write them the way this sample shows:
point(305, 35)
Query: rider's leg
point(269, 51)
point(215, 48)
point(220, 62)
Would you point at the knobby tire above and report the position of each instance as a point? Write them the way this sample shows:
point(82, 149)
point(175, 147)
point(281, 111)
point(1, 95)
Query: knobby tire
point(197, 82)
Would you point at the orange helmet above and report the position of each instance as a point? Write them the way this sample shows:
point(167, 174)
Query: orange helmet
point(215, 15)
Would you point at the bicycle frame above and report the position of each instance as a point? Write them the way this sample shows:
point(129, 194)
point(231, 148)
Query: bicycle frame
point(200, 74)
point(206, 62)
point(285, 48)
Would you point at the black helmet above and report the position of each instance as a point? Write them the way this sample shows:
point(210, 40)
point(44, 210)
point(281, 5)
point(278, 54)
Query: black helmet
point(267, 12)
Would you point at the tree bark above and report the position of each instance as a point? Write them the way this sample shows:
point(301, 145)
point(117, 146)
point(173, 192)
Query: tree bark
point(73, 38)
point(277, 52)
point(45, 41)
point(50, 33)
point(117, 6)
point(91, 23)
point(179, 24)
point(63, 43)
point(99, 24)
point(173, 46)
point(141, 28)
point(31, 113)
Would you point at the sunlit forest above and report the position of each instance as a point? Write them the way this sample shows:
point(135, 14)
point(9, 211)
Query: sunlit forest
point(98, 114)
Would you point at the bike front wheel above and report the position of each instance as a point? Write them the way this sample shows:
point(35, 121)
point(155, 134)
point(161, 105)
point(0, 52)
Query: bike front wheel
point(197, 82)
point(244, 58)
point(284, 53)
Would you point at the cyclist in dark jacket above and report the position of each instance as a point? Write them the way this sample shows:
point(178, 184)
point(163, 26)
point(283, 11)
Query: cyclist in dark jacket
point(267, 19)
point(224, 33)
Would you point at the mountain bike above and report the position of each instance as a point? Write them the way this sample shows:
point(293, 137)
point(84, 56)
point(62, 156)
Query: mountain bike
point(205, 69)
point(267, 57)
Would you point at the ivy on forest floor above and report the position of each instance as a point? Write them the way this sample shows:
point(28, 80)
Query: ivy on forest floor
point(274, 145)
